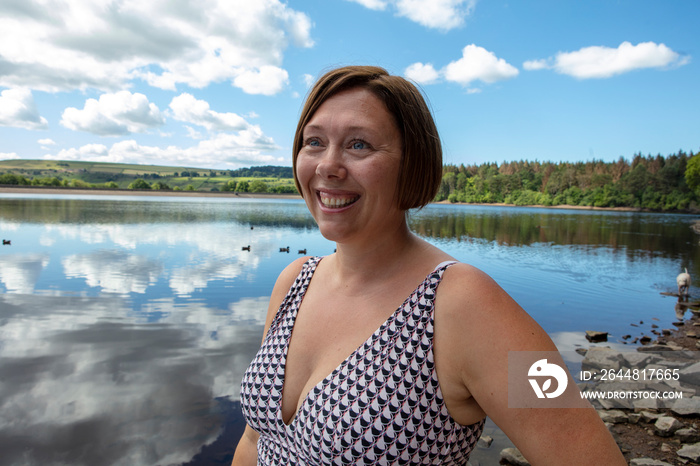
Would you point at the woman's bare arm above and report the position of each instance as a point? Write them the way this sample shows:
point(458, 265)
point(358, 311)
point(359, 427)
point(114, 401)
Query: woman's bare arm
point(476, 325)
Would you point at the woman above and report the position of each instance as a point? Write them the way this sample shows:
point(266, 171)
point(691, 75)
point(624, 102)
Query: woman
point(397, 352)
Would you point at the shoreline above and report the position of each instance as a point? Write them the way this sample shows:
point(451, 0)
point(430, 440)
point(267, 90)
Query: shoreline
point(240, 195)
point(140, 192)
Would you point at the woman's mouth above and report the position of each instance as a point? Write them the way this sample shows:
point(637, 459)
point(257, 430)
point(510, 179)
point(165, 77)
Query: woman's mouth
point(336, 201)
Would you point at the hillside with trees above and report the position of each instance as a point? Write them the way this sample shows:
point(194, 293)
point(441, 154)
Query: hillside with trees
point(657, 183)
point(97, 175)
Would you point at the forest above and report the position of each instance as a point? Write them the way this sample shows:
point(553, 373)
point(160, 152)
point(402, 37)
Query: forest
point(656, 183)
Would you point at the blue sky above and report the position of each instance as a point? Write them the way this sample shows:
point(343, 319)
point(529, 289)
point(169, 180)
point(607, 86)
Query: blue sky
point(219, 83)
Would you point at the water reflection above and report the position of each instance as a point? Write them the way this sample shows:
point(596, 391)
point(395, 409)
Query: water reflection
point(126, 324)
point(635, 233)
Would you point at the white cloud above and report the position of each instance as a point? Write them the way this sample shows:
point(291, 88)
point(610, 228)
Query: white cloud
point(422, 73)
point(308, 80)
point(604, 62)
point(8, 155)
point(437, 14)
point(372, 4)
point(17, 109)
point(190, 110)
point(47, 142)
point(105, 44)
point(478, 63)
point(114, 114)
point(244, 148)
point(267, 80)
point(533, 65)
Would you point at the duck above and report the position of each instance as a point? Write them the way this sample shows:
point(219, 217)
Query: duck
point(284, 249)
point(302, 251)
point(246, 248)
point(6, 242)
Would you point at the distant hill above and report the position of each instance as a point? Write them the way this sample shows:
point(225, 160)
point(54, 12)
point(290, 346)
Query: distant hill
point(123, 176)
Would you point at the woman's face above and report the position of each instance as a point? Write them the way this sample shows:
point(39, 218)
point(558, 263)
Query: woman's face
point(348, 167)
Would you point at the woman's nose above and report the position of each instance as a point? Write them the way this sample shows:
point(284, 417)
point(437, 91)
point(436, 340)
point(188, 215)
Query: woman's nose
point(331, 164)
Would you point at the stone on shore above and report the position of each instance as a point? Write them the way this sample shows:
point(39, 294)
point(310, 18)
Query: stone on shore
point(648, 462)
point(687, 435)
point(514, 457)
point(686, 406)
point(485, 441)
point(613, 416)
point(596, 337)
point(690, 451)
point(666, 426)
point(691, 374)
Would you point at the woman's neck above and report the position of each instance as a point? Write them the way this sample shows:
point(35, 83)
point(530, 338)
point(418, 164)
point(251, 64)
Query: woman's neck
point(385, 256)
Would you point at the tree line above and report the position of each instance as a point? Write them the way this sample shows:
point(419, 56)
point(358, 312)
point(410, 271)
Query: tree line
point(669, 183)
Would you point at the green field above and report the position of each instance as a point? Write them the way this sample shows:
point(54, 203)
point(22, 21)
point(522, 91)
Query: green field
point(59, 173)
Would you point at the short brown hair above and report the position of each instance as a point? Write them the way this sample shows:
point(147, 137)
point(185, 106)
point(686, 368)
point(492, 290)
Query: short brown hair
point(420, 170)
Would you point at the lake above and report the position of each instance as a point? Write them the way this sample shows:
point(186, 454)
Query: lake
point(127, 322)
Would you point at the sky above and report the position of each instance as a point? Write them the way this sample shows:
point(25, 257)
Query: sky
point(220, 83)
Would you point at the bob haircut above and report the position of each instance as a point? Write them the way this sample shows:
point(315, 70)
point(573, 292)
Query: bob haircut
point(420, 170)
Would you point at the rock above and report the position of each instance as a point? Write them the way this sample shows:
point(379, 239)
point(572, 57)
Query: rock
point(690, 451)
point(648, 462)
point(601, 358)
point(614, 416)
point(639, 359)
point(654, 348)
point(626, 337)
point(686, 406)
point(633, 418)
point(485, 441)
point(690, 374)
point(648, 416)
point(666, 331)
point(654, 326)
point(596, 337)
point(678, 324)
point(666, 448)
point(581, 351)
point(666, 426)
point(514, 457)
point(644, 404)
point(687, 435)
point(645, 339)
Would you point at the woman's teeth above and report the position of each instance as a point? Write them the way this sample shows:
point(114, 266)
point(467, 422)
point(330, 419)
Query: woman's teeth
point(336, 202)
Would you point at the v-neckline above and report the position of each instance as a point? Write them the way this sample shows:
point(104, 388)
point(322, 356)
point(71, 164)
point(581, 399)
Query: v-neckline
point(382, 326)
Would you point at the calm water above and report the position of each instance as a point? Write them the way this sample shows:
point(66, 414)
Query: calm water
point(126, 323)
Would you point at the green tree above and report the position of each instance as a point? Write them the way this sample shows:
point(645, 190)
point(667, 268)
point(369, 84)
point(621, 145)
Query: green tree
point(692, 173)
point(159, 185)
point(242, 187)
point(258, 186)
point(139, 184)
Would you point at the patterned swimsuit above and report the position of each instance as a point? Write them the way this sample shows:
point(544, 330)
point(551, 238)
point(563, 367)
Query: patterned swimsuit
point(382, 405)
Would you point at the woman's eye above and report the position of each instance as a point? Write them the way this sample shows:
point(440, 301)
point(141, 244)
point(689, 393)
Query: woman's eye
point(313, 142)
point(359, 145)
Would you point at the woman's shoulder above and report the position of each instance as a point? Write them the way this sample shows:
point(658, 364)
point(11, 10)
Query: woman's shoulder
point(290, 273)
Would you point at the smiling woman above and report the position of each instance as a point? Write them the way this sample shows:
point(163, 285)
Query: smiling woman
point(389, 351)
